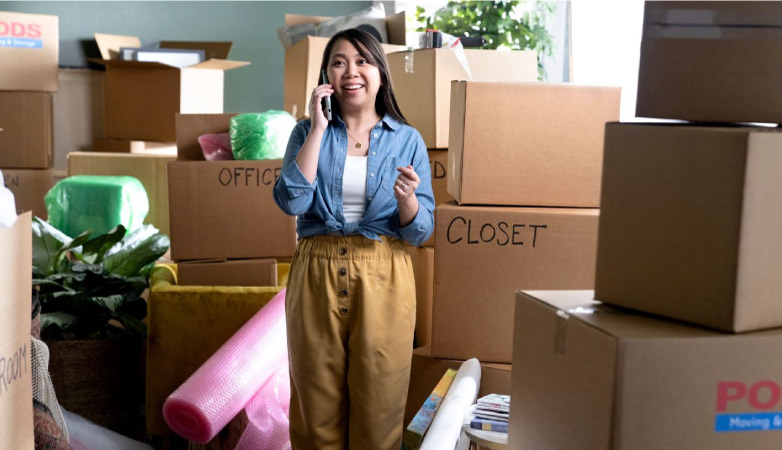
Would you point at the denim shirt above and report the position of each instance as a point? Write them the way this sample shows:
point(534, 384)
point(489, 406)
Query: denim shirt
point(318, 205)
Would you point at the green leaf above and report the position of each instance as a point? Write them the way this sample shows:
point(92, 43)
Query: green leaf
point(138, 250)
point(95, 249)
point(61, 320)
point(110, 302)
point(47, 241)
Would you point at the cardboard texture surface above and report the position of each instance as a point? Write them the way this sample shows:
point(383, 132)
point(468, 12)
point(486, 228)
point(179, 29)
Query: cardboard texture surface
point(129, 146)
point(29, 52)
point(149, 169)
point(302, 60)
point(203, 195)
point(242, 272)
point(507, 249)
point(709, 61)
point(225, 209)
point(77, 113)
point(548, 138)
point(689, 224)
point(626, 381)
point(29, 186)
point(26, 130)
point(16, 394)
point(141, 99)
point(187, 325)
point(422, 83)
point(422, 259)
point(438, 162)
point(426, 371)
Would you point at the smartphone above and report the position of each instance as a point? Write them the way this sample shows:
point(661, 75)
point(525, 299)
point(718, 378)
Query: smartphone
point(325, 101)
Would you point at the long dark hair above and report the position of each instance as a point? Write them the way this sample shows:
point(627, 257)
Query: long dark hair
point(369, 48)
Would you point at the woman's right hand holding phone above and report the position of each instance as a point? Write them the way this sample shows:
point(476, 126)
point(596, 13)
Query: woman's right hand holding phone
point(318, 119)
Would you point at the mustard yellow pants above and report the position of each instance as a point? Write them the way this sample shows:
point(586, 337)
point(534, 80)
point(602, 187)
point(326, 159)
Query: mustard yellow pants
point(350, 311)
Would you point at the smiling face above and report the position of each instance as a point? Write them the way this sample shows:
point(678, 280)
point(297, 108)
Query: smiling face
point(355, 80)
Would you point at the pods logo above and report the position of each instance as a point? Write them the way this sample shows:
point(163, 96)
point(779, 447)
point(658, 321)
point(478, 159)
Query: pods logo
point(763, 399)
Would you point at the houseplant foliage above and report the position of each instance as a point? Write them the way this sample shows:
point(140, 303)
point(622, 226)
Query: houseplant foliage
point(90, 286)
point(516, 25)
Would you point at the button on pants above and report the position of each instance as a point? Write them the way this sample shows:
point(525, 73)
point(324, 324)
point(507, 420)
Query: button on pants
point(350, 311)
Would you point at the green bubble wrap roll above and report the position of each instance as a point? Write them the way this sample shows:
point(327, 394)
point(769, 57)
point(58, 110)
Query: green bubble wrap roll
point(261, 135)
point(96, 202)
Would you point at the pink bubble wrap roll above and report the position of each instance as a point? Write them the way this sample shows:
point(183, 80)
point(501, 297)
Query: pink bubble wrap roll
point(268, 427)
point(230, 378)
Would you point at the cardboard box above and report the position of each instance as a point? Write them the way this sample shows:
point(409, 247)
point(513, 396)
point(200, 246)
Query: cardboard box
point(223, 209)
point(302, 60)
point(130, 146)
point(78, 113)
point(150, 169)
point(26, 130)
point(710, 61)
point(483, 255)
point(141, 99)
point(426, 371)
point(241, 272)
point(690, 224)
point(29, 52)
point(423, 270)
point(30, 186)
point(187, 325)
point(626, 381)
point(528, 144)
point(422, 83)
point(16, 392)
point(438, 162)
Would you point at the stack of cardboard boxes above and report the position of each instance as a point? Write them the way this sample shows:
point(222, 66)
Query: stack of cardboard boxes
point(140, 102)
point(29, 50)
point(523, 160)
point(689, 231)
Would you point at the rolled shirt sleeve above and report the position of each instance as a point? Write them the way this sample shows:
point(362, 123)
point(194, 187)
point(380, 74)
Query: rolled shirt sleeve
point(292, 192)
point(422, 226)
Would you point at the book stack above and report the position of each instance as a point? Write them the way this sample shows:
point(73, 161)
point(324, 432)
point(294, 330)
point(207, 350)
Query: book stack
point(490, 413)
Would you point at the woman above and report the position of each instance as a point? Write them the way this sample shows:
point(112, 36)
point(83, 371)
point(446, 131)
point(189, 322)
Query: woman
point(360, 186)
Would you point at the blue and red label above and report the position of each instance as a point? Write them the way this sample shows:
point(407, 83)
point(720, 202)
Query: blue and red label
point(21, 35)
point(762, 397)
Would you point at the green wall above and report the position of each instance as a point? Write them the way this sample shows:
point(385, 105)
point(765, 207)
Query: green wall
point(252, 26)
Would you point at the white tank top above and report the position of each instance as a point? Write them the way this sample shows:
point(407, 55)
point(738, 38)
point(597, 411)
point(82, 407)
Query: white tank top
point(354, 188)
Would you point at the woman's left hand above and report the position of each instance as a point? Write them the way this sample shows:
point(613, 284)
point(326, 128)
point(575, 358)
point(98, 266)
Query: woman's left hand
point(406, 183)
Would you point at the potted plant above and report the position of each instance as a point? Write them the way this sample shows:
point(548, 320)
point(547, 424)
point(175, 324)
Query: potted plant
point(92, 310)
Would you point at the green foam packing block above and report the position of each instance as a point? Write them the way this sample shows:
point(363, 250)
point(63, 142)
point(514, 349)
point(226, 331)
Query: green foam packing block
point(96, 202)
point(261, 135)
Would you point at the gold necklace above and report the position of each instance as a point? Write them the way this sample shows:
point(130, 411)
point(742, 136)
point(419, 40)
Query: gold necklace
point(358, 144)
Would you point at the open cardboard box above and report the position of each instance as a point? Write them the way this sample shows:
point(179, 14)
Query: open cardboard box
point(302, 60)
point(29, 52)
point(223, 209)
point(141, 98)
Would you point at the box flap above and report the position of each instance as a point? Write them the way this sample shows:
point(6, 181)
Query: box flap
point(299, 19)
point(395, 29)
point(190, 126)
point(217, 50)
point(137, 64)
point(721, 13)
point(219, 64)
point(109, 44)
